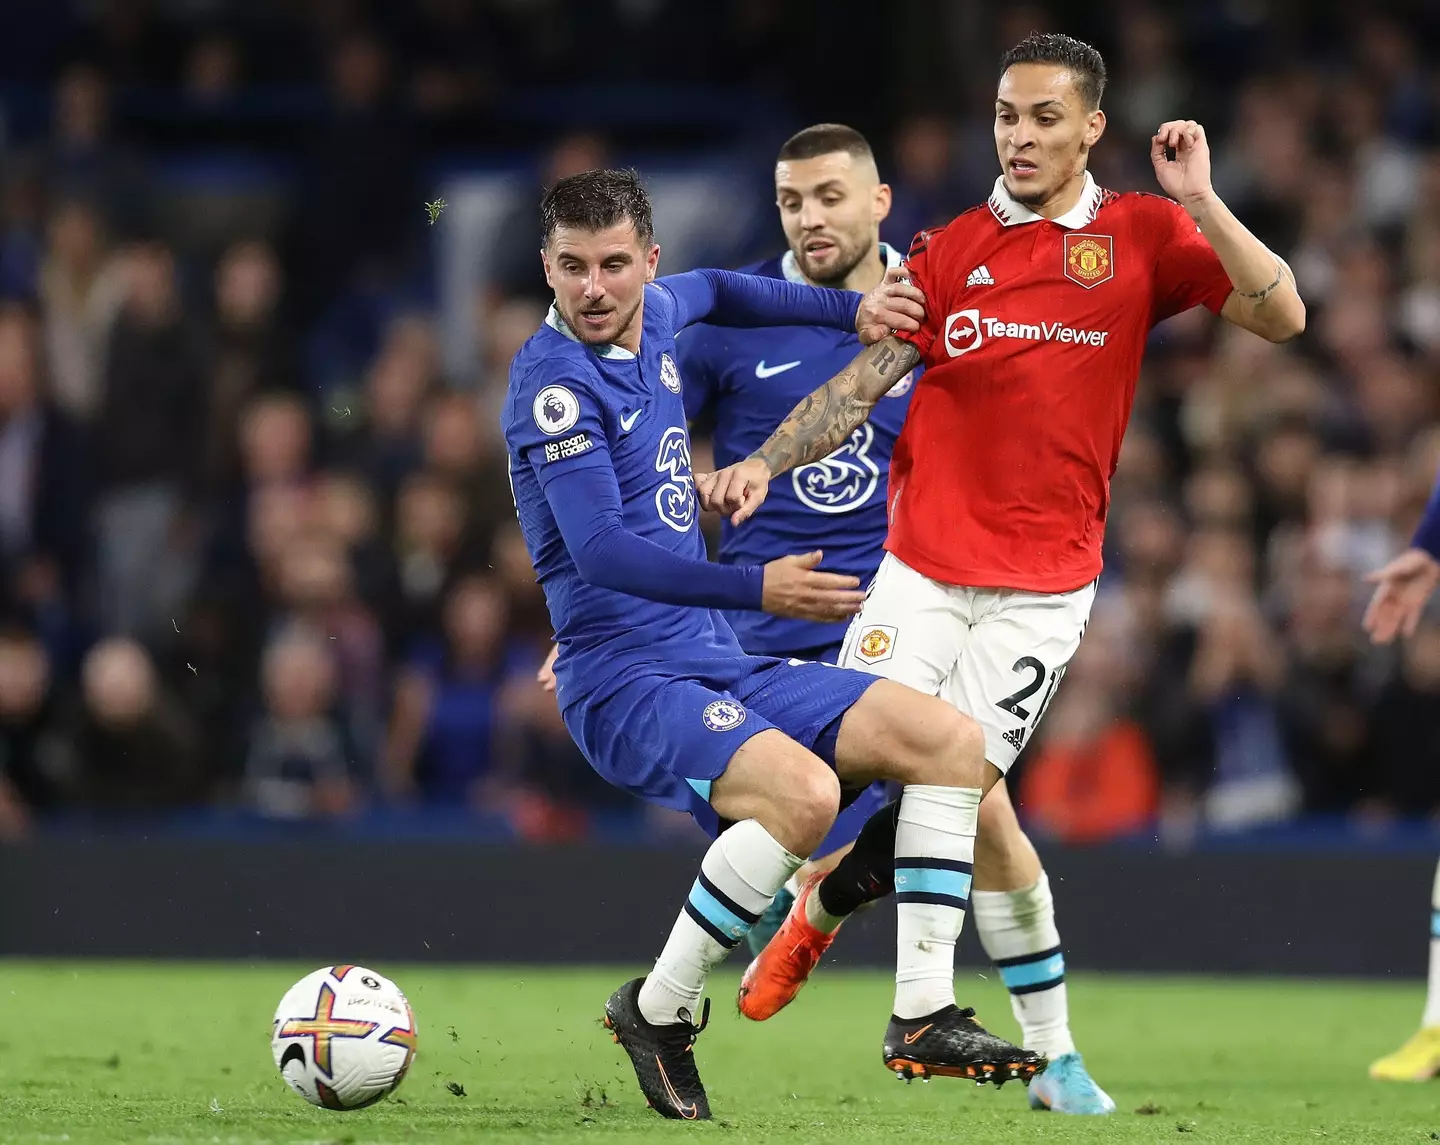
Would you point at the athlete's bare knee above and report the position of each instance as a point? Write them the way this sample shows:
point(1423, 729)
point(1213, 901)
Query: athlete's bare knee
point(950, 747)
point(788, 790)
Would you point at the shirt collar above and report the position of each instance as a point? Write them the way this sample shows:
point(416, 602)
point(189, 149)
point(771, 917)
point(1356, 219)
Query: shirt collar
point(791, 269)
point(604, 350)
point(1012, 214)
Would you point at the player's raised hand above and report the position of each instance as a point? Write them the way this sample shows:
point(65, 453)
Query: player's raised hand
point(1186, 178)
point(546, 675)
point(896, 304)
point(1402, 589)
point(793, 588)
point(737, 489)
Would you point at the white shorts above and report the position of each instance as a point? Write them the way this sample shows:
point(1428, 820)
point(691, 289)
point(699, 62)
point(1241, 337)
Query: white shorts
point(997, 654)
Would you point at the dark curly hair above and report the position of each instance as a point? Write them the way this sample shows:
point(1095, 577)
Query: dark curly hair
point(594, 200)
point(1082, 61)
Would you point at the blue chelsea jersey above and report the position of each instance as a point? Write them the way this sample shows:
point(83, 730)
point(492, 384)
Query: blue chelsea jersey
point(570, 405)
point(752, 379)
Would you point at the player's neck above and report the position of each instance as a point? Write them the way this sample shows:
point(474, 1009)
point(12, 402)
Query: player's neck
point(629, 338)
point(1065, 199)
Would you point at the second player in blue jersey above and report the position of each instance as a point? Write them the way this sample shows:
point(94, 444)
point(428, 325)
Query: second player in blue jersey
point(750, 380)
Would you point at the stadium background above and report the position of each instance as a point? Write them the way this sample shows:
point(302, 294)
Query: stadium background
point(264, 611)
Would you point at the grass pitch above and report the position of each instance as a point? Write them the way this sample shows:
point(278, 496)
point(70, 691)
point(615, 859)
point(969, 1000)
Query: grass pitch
point(180, 1053)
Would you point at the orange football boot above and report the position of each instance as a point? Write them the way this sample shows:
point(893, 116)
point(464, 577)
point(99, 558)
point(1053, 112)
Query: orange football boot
point(775, 977)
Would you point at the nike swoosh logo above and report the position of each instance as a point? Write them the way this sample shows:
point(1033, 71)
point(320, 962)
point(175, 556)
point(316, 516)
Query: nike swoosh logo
point(688, 1110)
point(627, 420)
point(764, 371)
point(915, 1035)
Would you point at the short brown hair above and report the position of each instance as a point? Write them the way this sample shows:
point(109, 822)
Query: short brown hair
point(825, 139)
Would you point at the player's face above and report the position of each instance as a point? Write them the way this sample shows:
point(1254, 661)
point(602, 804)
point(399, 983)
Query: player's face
point(599, 281)
point(831, 207)
point(1043, 132)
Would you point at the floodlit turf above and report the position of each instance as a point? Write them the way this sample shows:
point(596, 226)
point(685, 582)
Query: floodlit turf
point(180, 1053)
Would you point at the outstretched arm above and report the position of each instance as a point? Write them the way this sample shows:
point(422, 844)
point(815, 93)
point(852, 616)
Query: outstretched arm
point(815, 428)
point(725, 298)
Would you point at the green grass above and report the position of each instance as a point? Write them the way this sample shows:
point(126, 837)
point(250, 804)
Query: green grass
point(179, 1053)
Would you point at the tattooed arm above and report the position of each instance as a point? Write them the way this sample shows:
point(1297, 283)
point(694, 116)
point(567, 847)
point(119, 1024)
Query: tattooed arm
point(815, 428)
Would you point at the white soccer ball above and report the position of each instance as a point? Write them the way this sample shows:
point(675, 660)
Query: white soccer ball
point(344, 1037)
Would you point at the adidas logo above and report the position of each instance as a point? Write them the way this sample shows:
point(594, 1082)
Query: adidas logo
point(980, 276)
point(1015, 738)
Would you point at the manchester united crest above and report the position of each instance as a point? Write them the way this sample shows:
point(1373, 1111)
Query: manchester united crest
point(876, 643)
point(1089, 259)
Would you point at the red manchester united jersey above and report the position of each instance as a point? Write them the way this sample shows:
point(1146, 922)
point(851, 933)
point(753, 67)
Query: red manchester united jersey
point(1032, 346)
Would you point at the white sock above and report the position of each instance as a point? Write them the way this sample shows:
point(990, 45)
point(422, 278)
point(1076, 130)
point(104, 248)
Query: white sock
point(1432, 993)
point(739, 876)
point(820, 918)
point(934, 851)
point(1017, 929)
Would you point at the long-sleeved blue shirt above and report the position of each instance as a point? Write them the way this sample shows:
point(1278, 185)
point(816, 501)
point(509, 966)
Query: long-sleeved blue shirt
point(600, 468)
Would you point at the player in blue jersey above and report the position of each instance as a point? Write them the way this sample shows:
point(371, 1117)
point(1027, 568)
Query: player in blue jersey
point(1403, 589)
point(831, 205)
point(654, 686)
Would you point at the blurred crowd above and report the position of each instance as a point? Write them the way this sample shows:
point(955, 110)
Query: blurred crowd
point(257, 548)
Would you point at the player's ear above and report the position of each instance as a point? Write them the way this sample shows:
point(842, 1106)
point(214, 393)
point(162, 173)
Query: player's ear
point(1094, 128)
point(884, 198)
point(652, 262)
point(545, 262)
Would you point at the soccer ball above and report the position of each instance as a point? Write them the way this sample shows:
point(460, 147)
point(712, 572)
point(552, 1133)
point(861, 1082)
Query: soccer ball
point(344, 1037)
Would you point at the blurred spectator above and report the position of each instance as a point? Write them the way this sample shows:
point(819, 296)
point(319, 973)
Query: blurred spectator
point(148, 440)
point(347, 512)
point(925, 192)
point(429, 536)
point(1404, 738)
point(452, 45)
point(45, 492)
point(252, 349)
point(1153, 84)
point(1324, 700)
point(132, 748)
point(316, 592)
point(212, 72)
point(82, 159)
point(21, 239)
point(29, 715)
point(384, 440)
point(358, 206)
point(457, 449)
point(442, 741)
point(300, 764)
point(82, 287)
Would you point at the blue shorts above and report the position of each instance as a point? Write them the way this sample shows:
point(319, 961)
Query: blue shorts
point(861, 805)
point(671, 729)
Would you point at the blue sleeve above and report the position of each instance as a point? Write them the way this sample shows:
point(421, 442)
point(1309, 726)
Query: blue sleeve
point(557, 422)
point(1427, 534)
point(586, 505)
point(727, 298)
point(697, 368)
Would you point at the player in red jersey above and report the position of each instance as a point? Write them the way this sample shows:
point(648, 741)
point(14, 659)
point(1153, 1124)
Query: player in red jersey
point(1039, 303)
